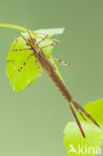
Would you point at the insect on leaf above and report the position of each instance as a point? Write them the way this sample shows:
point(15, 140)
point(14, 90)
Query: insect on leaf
point(30, 72)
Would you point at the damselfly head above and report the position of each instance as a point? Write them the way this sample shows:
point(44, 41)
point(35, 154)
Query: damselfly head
point(30, 41)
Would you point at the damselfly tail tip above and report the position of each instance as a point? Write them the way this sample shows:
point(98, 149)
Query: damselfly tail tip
point(83, 134)
point(77, 120)
point(81, 130)
point(97, 124)
point(80, 108)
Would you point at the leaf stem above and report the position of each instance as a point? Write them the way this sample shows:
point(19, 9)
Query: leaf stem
point(17, 27)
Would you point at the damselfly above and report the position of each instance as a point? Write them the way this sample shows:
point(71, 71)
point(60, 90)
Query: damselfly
point(49, 68)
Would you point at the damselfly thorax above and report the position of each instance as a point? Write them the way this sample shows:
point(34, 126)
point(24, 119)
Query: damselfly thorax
point(49, 68)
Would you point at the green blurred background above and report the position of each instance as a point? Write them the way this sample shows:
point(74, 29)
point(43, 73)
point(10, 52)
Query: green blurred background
point(32, 121)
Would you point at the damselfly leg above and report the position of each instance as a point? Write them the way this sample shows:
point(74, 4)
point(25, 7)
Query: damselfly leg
point(60, 61)
point(14, 49)
point(18, 70)
point(45, 37)
point(52, 44)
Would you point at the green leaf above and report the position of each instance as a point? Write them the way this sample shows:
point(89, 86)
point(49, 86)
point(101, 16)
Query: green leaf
point(74, 139)
point(96, 110)
point(94, 135)
point(50, 32)
point(30, 72)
